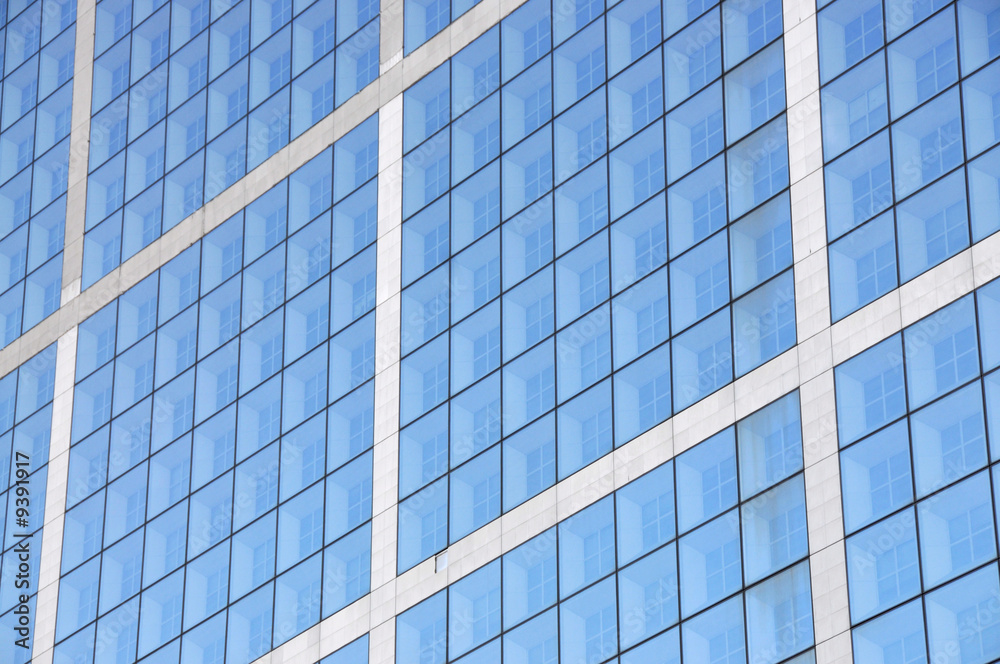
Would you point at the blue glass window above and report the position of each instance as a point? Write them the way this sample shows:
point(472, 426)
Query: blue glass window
point(530, 578)
point(770, 445)
point(954, 356)
point(589, 624)
point(587, 547)
point(848, 33)
point(774, 529)
point(956, 532)
point(716, 635)
point(882, 576)
point(876, 476)
point(964, 601)
point(870, 390)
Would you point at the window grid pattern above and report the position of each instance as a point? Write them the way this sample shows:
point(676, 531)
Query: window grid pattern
point(208, 115)
point(971, 533)
point(236, 464)
point(965, 535)
point(906, 181)
point(36, 75)
point(593, 619)
point(485, 272)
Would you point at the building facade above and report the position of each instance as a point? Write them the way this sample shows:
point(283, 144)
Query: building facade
point(520, 331)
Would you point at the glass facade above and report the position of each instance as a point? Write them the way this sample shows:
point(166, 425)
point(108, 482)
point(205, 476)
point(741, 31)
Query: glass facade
point(220, 476)
point(919, 418)
point(190, 95)
point(37, 42)
point(714, 540)
point(540, 332)
point(426, 18)
point(541, 280)
point(911, 110)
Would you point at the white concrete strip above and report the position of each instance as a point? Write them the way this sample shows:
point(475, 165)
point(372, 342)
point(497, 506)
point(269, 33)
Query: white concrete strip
point(385, 483)
point(824, 509)
point(62, 405)
point(55, 500)
point(79, 149)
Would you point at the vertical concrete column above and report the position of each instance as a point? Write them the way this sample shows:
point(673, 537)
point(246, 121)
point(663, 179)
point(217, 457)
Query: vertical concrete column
point(824, 514)
point(805, 169)
point(55, 500)
point(827, 562)
point(79, 150)
point(385, 482)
